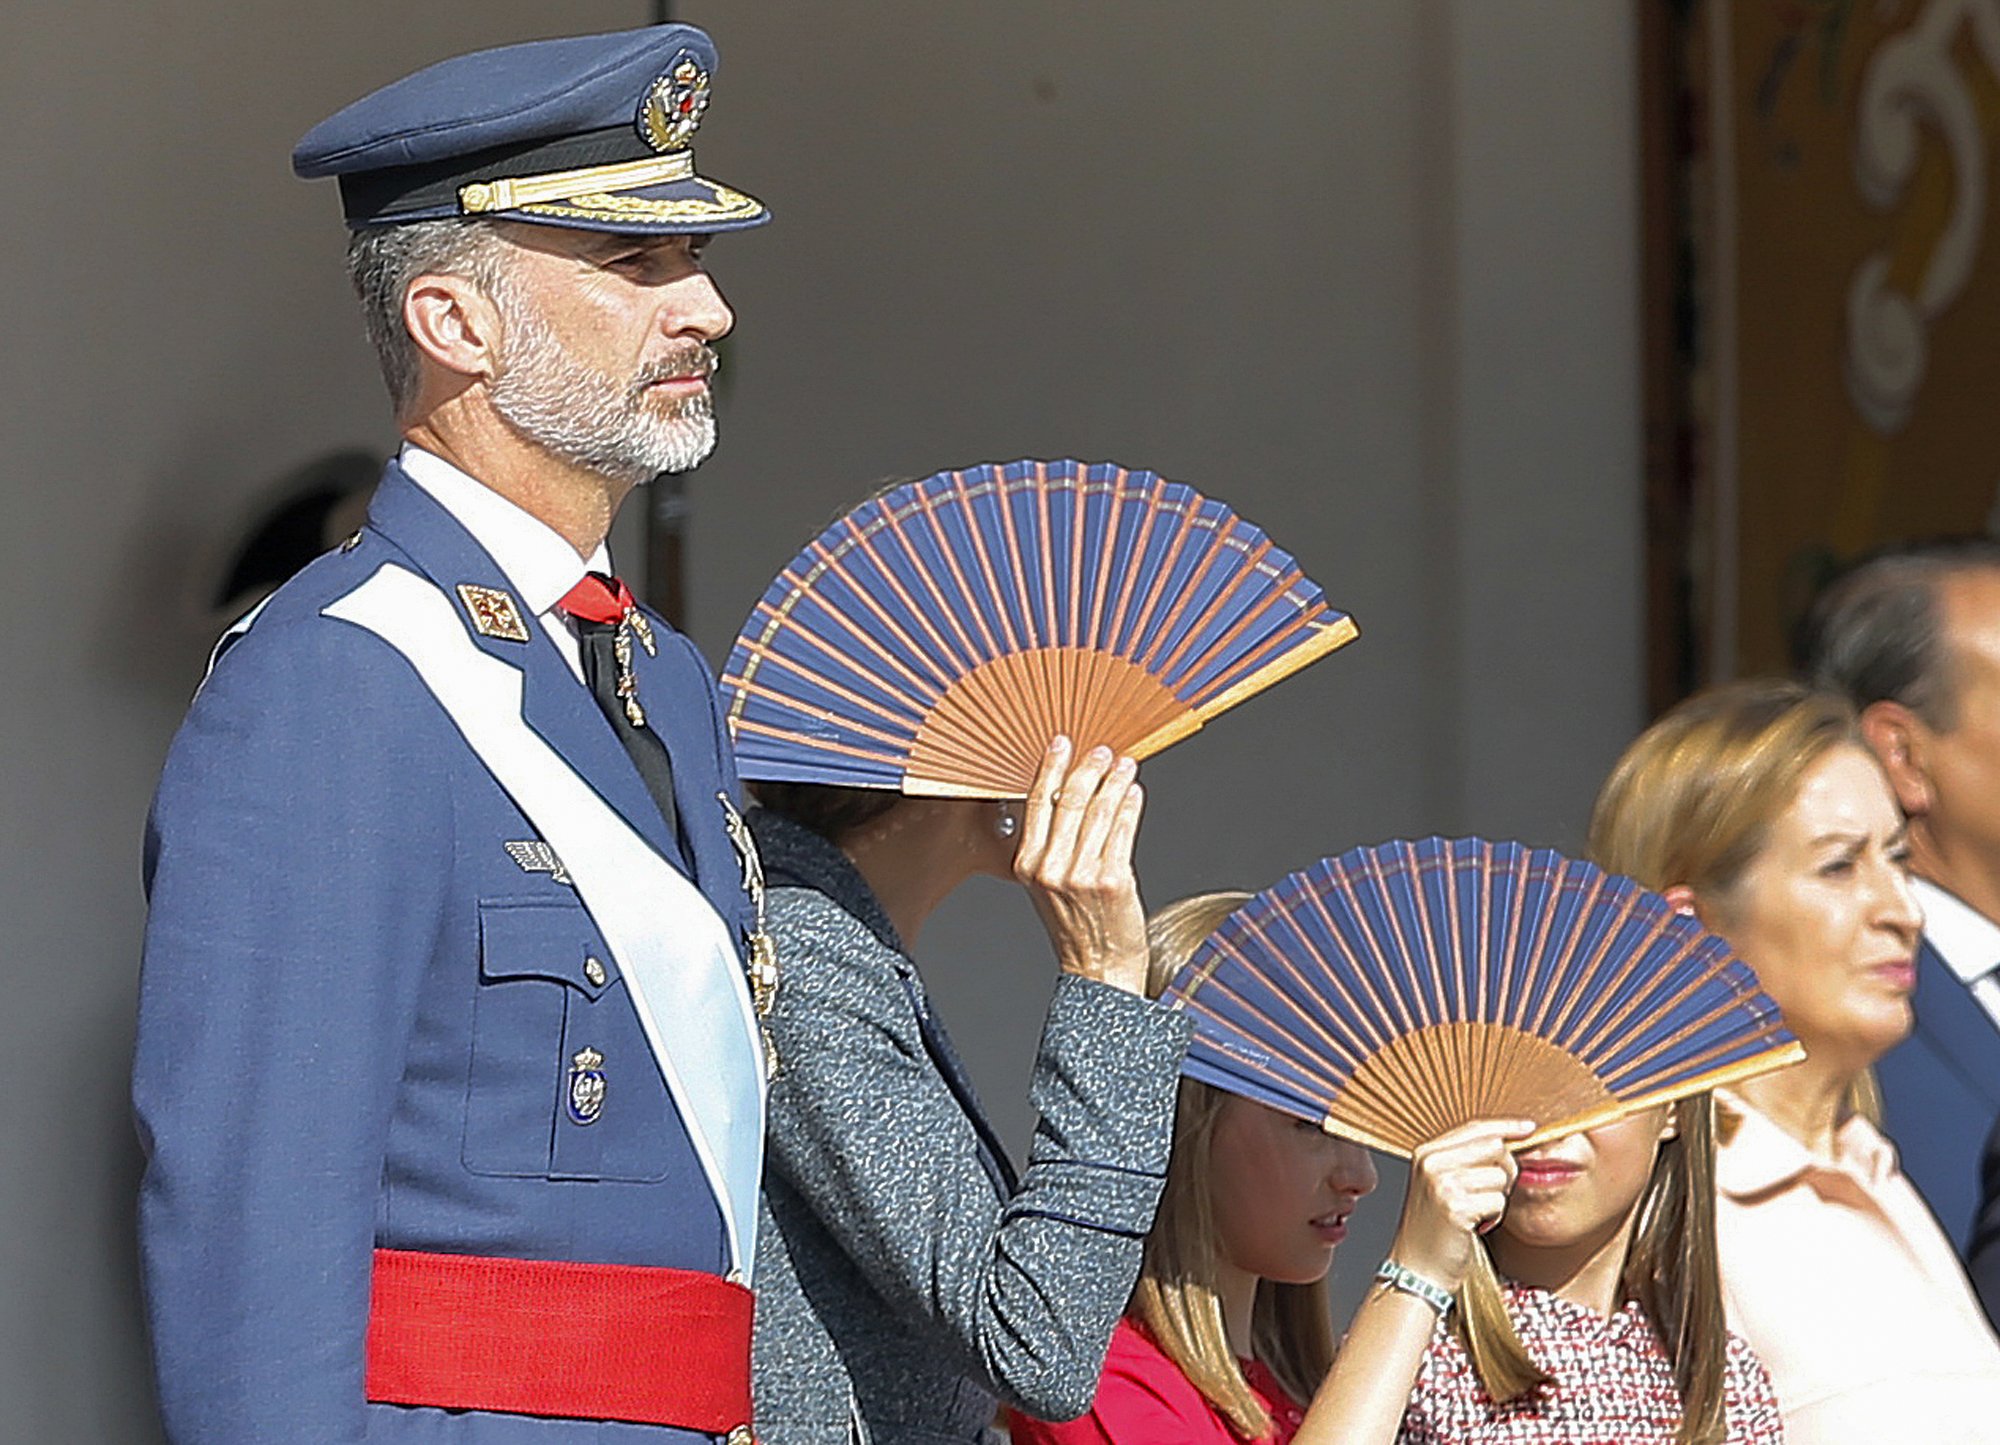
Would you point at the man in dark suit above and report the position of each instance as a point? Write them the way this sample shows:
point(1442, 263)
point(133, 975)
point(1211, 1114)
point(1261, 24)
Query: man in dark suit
point(449, 1078)
point(1913, 637)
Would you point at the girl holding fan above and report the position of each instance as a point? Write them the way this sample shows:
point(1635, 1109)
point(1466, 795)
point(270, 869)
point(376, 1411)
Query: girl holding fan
point(1567, 1295)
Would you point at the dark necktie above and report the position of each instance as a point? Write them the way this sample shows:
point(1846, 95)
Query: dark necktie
point(606, 622)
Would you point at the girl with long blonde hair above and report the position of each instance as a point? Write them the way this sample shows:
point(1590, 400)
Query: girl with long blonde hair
point(1229, 1331)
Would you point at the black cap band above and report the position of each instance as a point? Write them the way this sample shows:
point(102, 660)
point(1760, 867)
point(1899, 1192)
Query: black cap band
point(396, 194)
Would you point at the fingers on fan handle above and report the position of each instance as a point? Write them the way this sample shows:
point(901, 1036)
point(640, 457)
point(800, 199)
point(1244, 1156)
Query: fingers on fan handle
point(1073, 798)
point(1100, 821)
point(1125, 828)
point(1035, 817)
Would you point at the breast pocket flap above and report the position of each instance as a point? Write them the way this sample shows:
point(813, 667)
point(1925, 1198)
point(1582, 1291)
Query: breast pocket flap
point(553, 941)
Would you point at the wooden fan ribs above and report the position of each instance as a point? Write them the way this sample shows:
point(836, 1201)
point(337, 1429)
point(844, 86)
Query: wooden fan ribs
point(1411, 987)
point(936, 637)
point(1430, 1091)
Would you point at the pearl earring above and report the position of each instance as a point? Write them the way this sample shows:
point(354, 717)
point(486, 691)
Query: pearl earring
point(1007, 823)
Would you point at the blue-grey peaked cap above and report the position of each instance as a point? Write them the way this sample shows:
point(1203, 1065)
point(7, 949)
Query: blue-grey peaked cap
point(588, 131)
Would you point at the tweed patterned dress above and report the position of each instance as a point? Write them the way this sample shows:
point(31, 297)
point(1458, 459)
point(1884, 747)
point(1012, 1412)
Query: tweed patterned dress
point(907, 1281)
point(1612, 1385)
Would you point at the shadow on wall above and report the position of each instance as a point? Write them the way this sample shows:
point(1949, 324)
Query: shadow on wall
point(199, 579)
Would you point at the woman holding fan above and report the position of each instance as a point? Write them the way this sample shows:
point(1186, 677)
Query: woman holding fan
point(1608, 1325)
point(907, 1280)
point(1230, 1331)
point(893, 697)
point(1758, 807)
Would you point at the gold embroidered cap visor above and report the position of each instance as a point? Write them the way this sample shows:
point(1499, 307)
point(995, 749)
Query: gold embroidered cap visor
point(592, 131)
point(565, 183)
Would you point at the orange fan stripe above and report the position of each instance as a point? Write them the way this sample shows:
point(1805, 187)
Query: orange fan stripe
point(1223, 597)
point(793, 665)
point(968, 653)
point(1409, 1020)
point(1150, 600)
point(1074, 633)
point(939, 645)
point(1051, 623)
point(1014, 641)
point(1567, 1020)
point(1124, 641)
point(894, 755)
point(989, 646)
point(931, 685)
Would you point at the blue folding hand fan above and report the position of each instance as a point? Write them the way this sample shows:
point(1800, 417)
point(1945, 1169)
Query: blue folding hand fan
point(1398, 991)
point(936, 637)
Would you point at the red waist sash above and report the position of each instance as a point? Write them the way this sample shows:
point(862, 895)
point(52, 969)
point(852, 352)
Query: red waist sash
point(542, 1337)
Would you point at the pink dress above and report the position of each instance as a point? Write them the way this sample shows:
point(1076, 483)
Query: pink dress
point(1144, 1399)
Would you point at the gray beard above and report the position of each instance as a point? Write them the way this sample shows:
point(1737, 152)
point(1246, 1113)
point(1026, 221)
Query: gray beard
point(586, 417)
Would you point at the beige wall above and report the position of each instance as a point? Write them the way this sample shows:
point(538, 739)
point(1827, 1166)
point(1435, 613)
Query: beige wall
point(1365, 269)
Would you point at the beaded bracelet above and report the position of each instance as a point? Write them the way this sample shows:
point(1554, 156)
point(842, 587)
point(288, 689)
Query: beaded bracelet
point(1401, 1277)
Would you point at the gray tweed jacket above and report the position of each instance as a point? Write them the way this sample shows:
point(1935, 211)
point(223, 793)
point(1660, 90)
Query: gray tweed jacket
point(907, 1281)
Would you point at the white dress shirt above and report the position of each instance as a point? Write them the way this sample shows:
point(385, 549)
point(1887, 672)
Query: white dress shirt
point(541, 564)
point(1967, 941)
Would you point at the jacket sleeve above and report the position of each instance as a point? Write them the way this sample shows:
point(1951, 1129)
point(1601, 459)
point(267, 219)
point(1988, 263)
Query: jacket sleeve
point(297, 858)
point(1023, 1291)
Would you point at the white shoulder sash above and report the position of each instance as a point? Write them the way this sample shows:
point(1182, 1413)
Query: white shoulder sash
point(678, 957)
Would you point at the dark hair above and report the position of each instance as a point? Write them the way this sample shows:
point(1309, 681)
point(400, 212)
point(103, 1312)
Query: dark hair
point(1876, 633)
point(831, 812)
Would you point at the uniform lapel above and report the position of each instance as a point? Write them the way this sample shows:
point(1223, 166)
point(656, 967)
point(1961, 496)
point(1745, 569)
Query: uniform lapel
point(558, 707)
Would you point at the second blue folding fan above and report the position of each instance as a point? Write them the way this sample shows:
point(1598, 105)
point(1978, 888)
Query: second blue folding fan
point(935, 638)
point(1398, 991)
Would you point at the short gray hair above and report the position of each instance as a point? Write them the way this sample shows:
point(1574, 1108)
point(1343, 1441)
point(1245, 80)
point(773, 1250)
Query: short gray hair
point(382, 261)
point(1877, 633)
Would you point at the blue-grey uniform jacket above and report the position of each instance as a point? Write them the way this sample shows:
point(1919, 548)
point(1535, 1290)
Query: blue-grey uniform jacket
point(357, 1007)
point(907, 1280)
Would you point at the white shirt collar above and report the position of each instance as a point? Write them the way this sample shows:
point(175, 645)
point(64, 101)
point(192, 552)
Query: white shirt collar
point(537, 560)
point(1968, 942)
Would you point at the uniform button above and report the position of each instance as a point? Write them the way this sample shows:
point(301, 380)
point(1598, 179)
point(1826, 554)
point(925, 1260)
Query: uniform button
point(594, 971)
point(741, 1436)
point(735, 1276)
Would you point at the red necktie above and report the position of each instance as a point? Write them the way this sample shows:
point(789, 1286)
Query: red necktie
point(598, 598)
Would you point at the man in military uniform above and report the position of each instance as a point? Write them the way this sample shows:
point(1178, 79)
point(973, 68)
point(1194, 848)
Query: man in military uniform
point(449, 1074)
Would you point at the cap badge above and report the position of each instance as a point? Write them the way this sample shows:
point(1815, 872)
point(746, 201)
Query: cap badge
point(672, 108)
point(586, 1086)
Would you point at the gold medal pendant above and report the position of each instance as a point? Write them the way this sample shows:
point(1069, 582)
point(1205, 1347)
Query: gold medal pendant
point(628, 682)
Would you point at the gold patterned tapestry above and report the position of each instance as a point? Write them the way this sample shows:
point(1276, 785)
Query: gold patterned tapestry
point(1840, 304)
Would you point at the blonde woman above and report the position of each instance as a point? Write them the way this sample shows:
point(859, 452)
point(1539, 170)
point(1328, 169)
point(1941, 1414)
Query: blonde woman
point(1758, 807)
point(1229, 1331)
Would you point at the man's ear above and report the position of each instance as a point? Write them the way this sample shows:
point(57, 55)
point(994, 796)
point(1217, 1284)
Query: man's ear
point(455, 324)
point(1897, 737)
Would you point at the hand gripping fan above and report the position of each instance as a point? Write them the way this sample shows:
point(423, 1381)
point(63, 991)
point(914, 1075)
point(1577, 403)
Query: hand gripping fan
point(1398, 991)
point(935, 638)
